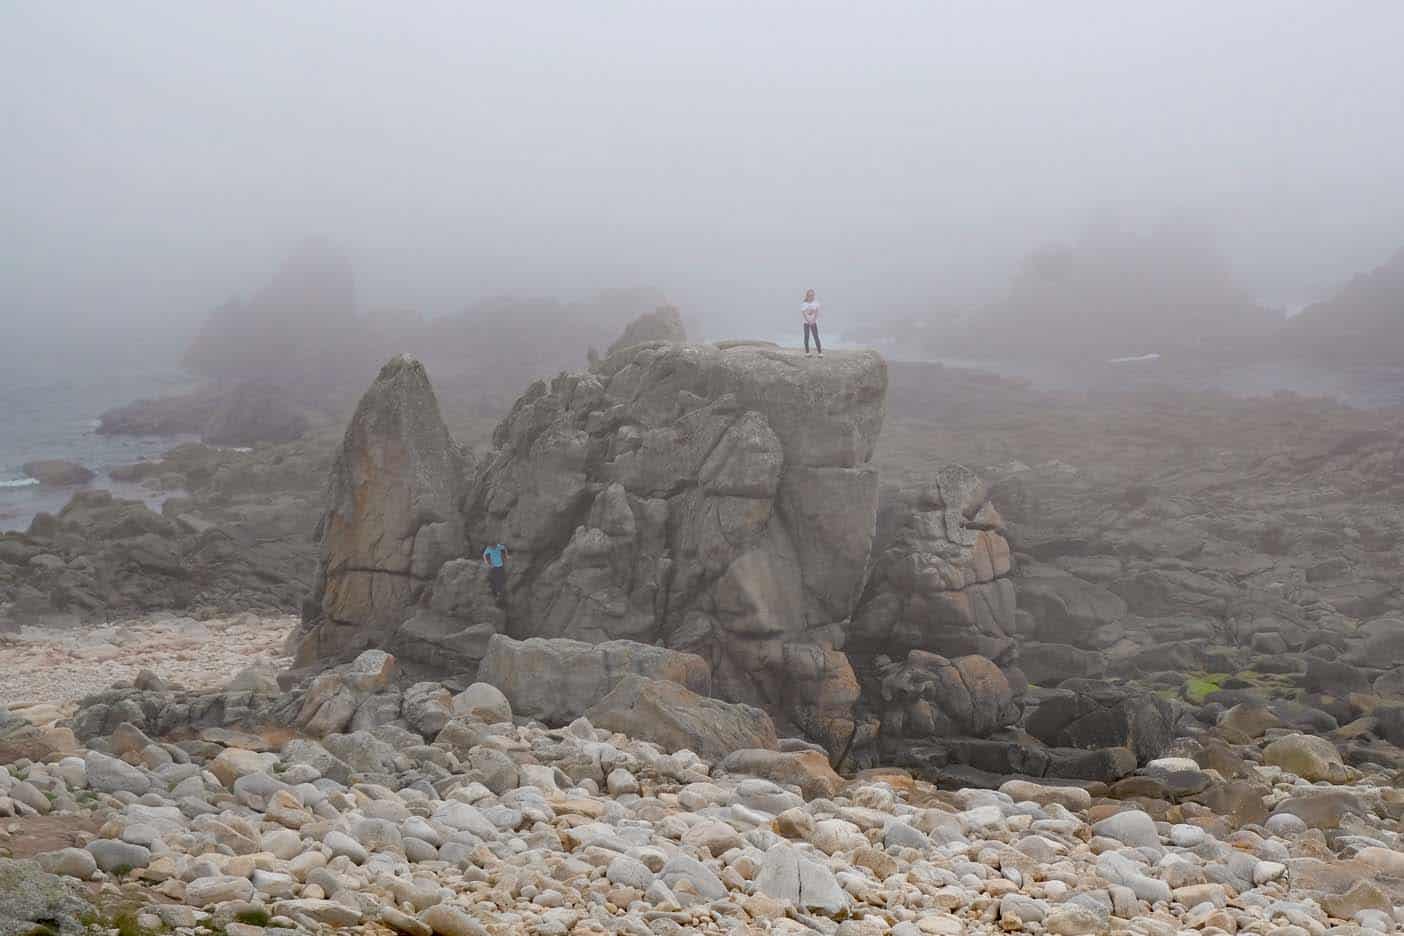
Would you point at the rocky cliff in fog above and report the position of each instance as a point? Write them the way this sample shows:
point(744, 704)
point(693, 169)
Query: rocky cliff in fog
point(685, 509)
point(298, 328)
point(1364, 318)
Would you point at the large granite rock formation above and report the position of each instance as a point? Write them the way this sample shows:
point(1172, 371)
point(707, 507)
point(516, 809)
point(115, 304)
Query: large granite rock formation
point(392, 519)
point(713, 499)
point(698, 517)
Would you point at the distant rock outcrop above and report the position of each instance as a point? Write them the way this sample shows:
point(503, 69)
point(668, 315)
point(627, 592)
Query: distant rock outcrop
point(255, 412)
point(185, 414)
point(392, 519)
point(1365, 317)
point(55, 472)
point(662, 324)
point(298, 328)
point(1116, 293)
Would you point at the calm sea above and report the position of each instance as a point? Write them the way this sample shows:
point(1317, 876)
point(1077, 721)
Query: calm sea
point(50, 400)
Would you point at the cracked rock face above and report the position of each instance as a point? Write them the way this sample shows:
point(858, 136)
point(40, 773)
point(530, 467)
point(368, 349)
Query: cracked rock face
point(392, 518)
point(716, 500)
point(940, 579)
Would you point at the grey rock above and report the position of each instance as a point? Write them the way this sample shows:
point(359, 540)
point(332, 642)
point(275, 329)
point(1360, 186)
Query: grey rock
point(448, 920)
point(685, 868)
point(675, 718)
point(557, 680)
point(787, 875)
point(112, 854)
point(339, 843)
point(1132, 827)
point(629, 872)
point(484, 702)
point(30, 897)
point(69, 862)
point(109, 775)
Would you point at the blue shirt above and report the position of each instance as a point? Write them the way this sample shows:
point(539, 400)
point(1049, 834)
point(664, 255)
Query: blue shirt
point(493, 554)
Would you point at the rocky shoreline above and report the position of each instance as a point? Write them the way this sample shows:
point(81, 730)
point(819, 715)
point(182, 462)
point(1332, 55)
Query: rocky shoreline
point(457, 817)
point(1140, 672)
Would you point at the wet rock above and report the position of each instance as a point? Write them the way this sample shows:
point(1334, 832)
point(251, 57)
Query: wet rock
point(56, 472)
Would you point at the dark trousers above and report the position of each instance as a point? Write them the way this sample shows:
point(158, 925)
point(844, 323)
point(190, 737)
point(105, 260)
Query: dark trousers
point(497, 578)
point(808, 329)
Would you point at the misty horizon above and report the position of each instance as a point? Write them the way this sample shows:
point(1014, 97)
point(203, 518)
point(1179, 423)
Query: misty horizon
point(165, 158)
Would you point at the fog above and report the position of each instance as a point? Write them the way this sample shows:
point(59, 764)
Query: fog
point(161, 156)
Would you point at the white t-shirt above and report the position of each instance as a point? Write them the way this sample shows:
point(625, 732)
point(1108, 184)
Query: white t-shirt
point(809, 311)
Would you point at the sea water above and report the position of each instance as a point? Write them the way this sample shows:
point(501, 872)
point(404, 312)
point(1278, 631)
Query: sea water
point(49, 408)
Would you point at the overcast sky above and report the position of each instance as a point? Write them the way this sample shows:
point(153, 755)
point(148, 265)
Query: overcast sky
point(159, 156)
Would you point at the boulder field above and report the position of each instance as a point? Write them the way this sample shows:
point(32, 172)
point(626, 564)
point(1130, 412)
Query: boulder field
point(434, 810)
point(707, 514)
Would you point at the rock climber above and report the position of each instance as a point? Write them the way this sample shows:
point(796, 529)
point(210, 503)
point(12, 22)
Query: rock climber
point(809, 311)
point(495, 558)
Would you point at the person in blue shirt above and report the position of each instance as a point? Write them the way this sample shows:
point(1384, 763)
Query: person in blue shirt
point(495, 558)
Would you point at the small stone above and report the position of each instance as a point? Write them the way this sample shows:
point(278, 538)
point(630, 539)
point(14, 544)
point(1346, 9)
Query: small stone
point(70, 862)
point(620, 781)
point(1021, 908)
point(795, 823)
point(1133, 828)
point(404, 923)
point(629, 872)
point(109, 775)
point(330, 912)
point(1285, 824)
point(1309, 757)
point(1073, 920)
point(342, 844)
point(1187, 836)
point(448, 920)
point(716, 837)
point(484, 702)
point(111, 855)
point(1072, 798)
point(206, 891)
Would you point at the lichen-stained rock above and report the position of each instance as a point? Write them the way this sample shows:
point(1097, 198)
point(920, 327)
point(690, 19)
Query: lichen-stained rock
point(940, 574)
point(34, 901)
point(392, 518)
point(556, 680)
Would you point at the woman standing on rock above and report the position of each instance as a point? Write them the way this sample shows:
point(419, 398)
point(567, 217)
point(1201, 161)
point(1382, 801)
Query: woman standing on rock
point(809, 311)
